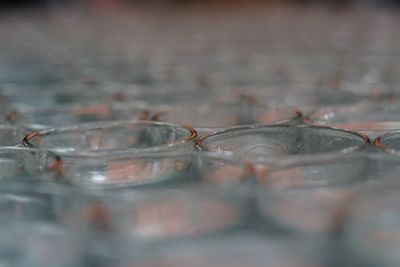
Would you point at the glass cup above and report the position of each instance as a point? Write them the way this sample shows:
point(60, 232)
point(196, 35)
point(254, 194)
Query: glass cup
point(372, 230)
point(234, 250)
point(40, 245)
point(210, 118)
point(22, 164)
point(370, 119)
point(152, 216)
point(67, 115)
point(310, 196)
point(11, 135)
point(389, 142)
point(96, 138)
point(127, 171)
point(275, 142)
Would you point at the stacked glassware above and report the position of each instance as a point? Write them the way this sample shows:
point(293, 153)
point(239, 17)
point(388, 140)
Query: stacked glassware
point(258, 138)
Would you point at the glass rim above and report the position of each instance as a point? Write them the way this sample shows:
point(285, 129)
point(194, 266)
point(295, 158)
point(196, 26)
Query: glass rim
point(378, 142)
point(191, 135)
point(200, 142)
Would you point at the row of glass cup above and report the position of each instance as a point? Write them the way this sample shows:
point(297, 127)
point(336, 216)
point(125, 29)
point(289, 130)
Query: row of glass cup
point(371, 114)
point(136, 194)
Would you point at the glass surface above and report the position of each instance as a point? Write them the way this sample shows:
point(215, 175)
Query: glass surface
point(310, 196)
point(40, 245)
point(67, 115)
point(206, 117)
point(389, 142)
point(22, 164)
point(159, 215)
point(236, 250)
point(11, 135)
point(138, 136)
point(275, 142)
point(143, 170)
point(372, 233)
point(371, 119)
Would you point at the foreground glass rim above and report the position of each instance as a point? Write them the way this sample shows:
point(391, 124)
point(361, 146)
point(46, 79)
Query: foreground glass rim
point(192, 134)
point(200, 143)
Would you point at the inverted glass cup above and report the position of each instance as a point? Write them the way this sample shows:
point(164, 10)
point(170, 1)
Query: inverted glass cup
point(370, 119)
point(67, 115)
point(275, 142)
point(96, 138)
point(310, 196)
point(372, 235)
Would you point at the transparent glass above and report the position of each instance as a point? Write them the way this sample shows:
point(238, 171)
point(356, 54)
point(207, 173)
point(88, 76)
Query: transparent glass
point(11, 135)
point(235, 250)
point(128, 171)
point(67, 115)
point(389, 142)
point(158, 215)
point(371, 119)
point(281, 141)
point(40, 245)
point(310, 196)
point(207, 118)
point(372, 233)
point(42, 202)
point(21, 164)
point(137, 136)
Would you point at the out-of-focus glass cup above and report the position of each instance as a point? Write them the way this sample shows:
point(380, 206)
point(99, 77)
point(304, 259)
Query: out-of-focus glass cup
point(234, 250)
point(304, 100)
point(32, 201)
point(146, 217)
point(275, 142)
point(106, 137)
point(67, 115)
point(210, 118)
point(11, 135)
point(127, 171)
point(22, 164)
point(310, 196)
point(372, 230)
point(40, 245)
point(389, 142)
point(370, 119)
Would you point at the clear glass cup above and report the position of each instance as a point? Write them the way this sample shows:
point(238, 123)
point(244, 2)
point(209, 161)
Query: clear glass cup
point(135, 136)
point(11, 135)
point(371, 119)
point(22, 164)
point(372, 230)
point(32, 201)
point(127, 171)
point(41, 244)
point(151, 216)
point(310, 196)
point(304, 100)
point(389, 142)
point(210, 118)
point(67, 115)
point(234, 250)
point(274, 142)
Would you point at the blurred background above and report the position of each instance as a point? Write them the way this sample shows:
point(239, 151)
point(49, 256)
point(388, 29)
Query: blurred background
point(207, 44)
